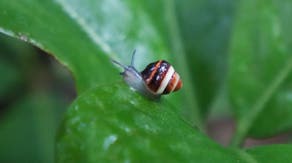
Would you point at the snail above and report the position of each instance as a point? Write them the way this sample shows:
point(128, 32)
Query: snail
point(158, 78)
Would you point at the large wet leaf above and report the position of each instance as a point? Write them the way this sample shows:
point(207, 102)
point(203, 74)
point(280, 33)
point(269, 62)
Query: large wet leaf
point(105, 124)
point(261, 69)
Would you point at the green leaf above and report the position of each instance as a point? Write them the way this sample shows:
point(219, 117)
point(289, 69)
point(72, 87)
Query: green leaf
point(18, 20)
point(84, 35)
point(271, 153)
point(10, 78)
point(114, 124)
point(261, 68)
point(13, 66)
point(92, 30)
point(205, 27)
point(28, 129)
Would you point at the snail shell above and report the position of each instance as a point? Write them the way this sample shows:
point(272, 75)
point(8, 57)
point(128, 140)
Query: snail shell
point(157, 79)
point(161, 78)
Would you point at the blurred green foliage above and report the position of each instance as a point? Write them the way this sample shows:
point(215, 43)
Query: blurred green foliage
point(242, 48)
point(33, 99)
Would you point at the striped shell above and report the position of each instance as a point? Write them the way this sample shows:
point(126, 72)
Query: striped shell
point(161, 78)
point(156, 79)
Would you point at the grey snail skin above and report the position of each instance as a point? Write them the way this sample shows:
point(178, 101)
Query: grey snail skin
point(158, 78)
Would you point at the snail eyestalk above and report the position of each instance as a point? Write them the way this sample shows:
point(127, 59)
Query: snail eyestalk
point(133, 57)
point(119, 64)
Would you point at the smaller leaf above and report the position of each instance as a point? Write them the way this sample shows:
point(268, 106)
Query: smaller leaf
point(260, 69)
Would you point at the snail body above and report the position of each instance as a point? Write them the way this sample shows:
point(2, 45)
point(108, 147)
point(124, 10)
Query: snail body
point(158, 78)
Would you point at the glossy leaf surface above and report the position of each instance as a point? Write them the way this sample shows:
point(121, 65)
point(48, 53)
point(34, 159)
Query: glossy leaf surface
point(105, 124)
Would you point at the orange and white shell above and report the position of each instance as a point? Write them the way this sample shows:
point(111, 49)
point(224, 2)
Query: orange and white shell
point(161, 78)
point(157, 79)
